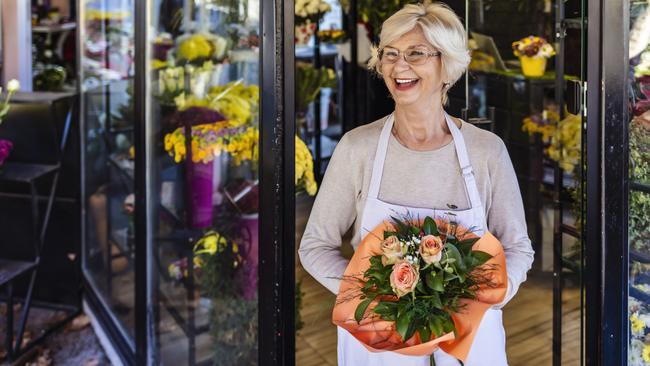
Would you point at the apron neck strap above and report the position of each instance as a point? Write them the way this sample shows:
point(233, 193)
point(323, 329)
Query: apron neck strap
point(461, 151)
point(380, 157)
point(465, 167)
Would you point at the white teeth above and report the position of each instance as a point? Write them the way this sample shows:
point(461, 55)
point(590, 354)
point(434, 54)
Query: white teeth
point(404, 81)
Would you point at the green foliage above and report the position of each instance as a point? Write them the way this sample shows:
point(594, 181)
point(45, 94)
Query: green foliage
point(234, 331)
point(309, 81)
point(639, 230)
point(441, 286)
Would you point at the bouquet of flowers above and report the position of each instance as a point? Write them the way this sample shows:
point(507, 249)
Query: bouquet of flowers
point(308, 13)
point(533, 46)
point(415, 285)
point(310, 10)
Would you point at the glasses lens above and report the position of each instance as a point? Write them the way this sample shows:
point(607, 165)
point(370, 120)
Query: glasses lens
point(389, 56)
point(416, 56)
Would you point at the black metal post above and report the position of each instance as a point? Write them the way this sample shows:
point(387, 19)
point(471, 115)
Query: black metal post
point(317, 111)
point(606, 253)
point(277, 197)
point(558, 280)
point(143, 337)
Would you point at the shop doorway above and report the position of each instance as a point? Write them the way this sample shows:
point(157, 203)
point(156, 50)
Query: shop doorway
point(538, 114)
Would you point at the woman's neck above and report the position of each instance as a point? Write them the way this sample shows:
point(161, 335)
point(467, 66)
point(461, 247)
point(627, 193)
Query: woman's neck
point(422, 128)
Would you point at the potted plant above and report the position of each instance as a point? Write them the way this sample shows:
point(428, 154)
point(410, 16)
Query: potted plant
point(533, 52)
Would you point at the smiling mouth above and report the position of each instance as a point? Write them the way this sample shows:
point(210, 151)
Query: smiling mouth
point(405, 84)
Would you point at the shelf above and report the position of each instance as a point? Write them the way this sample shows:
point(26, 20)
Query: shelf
point(54, 28)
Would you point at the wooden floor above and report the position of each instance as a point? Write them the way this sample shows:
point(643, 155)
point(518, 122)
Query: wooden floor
point(527, 319)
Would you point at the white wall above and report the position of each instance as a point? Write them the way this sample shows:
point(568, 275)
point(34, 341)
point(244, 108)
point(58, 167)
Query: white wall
point(17, 42)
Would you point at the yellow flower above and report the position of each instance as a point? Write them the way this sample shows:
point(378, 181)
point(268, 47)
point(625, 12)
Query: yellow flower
point(646, 353)
point(637, 324)
point(194, 47)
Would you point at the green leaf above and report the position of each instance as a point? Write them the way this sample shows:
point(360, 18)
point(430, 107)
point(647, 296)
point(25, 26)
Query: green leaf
point(435, 300)
point(430, 227)
point(448, 325)
point(482, 257)
point(388, 234)
point(435, 325)
point(425, 334)
point(415, 230)
point(452, 252)
point(386, 308)
point(401, 227)
point(450, 276)
point(435, 282)
point(465, 246)
point(402, 324)
point(411, 330)
point(361, 309)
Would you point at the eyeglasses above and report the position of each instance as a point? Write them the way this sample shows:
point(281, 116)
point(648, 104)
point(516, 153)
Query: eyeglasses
point(414, 56)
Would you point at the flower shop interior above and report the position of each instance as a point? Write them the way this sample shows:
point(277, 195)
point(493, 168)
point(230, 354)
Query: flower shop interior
point(159, 160)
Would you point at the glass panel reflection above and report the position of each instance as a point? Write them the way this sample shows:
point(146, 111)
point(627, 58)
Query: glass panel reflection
point(106, 84)
point(205, 137)
point(639, 197)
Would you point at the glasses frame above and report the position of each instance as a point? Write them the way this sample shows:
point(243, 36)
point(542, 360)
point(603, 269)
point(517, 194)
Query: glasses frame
point(403, 55)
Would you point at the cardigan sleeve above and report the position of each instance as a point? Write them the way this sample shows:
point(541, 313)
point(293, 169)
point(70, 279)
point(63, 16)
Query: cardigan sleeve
point(332, 214)
point(507, 220)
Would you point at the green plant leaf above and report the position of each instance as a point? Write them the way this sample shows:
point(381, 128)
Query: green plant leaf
point(413, 326)
point(435, 325)
point(430, 227)
point(402, 324)
point(435, 282)
point(361, 309)
point(465, 246)
point(453, 252)
point(425, 334)
point(481, 257)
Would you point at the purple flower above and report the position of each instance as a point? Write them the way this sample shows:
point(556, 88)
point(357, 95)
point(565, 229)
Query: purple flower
point(5, 148)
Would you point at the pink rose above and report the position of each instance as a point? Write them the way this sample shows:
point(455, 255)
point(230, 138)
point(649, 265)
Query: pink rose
point(392, 250)
point(404, 278)
point(431, 249)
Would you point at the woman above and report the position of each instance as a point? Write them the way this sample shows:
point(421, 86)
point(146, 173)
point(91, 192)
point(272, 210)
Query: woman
point(420, 160)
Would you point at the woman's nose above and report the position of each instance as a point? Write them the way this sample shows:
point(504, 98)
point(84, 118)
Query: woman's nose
point(401, 64)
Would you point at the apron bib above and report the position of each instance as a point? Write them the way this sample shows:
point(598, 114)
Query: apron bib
point(489, 344)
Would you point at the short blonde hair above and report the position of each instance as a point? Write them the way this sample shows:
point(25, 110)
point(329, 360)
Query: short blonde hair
point(441, 27)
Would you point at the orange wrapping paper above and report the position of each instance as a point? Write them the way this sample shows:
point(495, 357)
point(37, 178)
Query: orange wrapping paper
point(379, 335)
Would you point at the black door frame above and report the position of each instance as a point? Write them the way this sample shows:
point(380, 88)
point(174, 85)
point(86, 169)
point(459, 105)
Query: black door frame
point(606, 242)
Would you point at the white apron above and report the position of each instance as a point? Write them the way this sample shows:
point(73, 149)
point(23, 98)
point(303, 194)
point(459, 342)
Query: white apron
point(489, 346)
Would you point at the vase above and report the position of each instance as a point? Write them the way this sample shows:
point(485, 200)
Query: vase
point(533, 66)
point(199, 176)
point(249, 225)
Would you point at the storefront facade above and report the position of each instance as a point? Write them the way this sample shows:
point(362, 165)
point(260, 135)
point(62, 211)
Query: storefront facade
point(150, 70)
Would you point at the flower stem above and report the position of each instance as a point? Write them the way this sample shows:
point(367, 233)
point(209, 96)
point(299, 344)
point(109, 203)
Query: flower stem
point(432, 360)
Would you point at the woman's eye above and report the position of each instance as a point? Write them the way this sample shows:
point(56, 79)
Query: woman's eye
point(417, 53)
point(390, 54)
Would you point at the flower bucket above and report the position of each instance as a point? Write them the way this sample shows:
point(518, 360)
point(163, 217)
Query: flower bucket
point(200, 186)
point(250, 253)
point(533, 66)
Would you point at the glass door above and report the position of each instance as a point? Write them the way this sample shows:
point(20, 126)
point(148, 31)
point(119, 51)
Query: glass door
point(525, 84)
point(202, 180)
point(106, 67)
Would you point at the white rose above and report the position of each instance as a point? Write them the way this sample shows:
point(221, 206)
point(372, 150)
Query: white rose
point(13, 86)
